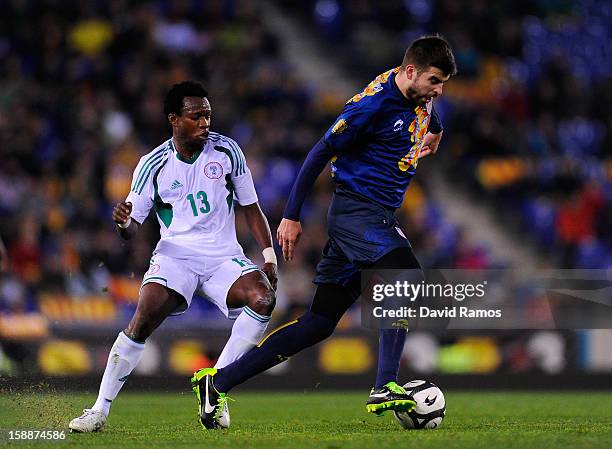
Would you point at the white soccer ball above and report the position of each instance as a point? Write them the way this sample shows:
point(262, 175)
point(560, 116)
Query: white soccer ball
point(430, 406)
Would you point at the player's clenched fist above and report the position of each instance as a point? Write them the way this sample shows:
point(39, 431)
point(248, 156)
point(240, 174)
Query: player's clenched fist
point(430, 144)
point(288, 234)
point(121, 212)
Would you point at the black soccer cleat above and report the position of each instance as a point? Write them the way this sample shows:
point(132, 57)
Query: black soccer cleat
point(212, 405)
point(390, 396)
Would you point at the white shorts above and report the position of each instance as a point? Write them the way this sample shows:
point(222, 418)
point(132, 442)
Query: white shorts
point(210, 276)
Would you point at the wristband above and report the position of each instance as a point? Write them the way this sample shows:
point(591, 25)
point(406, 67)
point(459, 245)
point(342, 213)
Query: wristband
point(126, 224)
point(269, 255)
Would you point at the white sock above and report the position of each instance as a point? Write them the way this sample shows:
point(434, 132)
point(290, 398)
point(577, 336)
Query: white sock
point(248, 330)
point(122, 359)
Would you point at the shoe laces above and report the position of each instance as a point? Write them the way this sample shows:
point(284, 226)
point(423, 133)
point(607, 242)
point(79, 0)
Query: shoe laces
point(395, 388)
point(221, 403)
point(88, 412)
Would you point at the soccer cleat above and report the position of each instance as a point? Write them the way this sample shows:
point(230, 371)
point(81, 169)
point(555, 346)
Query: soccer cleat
point(89, 421)
point(390, 396)
point(212, 405)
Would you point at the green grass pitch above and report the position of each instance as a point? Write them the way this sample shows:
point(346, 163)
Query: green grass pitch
point(321, 420)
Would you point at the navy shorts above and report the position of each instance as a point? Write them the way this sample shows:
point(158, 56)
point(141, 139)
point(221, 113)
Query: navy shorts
point(360, 233)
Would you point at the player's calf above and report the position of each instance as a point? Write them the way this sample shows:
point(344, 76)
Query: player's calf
point(257, 298)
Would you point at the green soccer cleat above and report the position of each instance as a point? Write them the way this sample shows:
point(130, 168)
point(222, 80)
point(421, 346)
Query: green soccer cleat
point(390, 396)
point(212, 405)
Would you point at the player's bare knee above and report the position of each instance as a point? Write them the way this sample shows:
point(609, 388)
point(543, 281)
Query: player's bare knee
point(262, 300)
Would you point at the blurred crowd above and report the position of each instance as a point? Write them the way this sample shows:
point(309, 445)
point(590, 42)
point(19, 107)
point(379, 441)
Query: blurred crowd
point(81, 91)
point(529, 117)
point(81, 101)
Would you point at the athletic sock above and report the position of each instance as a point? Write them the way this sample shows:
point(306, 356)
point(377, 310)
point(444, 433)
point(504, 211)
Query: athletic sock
point(122, 359)
point(390, 347)
point(277, 347)
point(248, 330)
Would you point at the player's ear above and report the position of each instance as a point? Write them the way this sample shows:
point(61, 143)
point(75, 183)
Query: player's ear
point(410, 71)
point(172, 118)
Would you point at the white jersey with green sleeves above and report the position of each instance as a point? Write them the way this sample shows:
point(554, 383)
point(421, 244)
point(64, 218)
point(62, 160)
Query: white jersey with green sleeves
point(194, 199)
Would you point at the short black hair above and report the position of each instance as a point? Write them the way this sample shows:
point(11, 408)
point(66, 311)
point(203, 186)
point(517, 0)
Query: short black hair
point(173, 102)
point(432, 50)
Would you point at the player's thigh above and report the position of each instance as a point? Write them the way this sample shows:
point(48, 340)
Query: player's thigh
point(237, 282)
point(398, 258)
point(155, 300)
point(398, 265)
point(177, 275)
point(253, 290)
point(155, 303)
point(332, 301)
point(335, 267)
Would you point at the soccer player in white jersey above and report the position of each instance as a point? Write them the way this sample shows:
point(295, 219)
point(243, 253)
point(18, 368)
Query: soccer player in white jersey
point(191, 181)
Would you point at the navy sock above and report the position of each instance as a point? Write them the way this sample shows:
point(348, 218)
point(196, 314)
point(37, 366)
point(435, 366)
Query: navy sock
point(279, 345)
point(390, 347)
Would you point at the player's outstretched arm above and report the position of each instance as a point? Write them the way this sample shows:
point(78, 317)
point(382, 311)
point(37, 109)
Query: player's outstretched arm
point(125, 225)
point(258, 224)
point(290, 228)
point(316, 159)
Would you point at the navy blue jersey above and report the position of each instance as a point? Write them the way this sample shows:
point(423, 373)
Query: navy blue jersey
point(377, 140)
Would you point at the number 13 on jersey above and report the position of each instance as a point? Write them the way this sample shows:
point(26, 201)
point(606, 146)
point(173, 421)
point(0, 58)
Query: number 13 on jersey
point(204, 206)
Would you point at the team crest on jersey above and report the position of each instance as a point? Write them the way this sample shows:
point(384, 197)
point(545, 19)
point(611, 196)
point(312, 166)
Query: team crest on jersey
point(154, 268)
point(213, 170)
point(340, 126)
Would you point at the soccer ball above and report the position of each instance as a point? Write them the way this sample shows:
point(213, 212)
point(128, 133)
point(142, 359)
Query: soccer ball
point(430, 406)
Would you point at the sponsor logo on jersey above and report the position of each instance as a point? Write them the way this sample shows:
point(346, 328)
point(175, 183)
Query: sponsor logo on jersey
point(213, 170)
point(397, 126)
point(176, 184)
point(340, 126)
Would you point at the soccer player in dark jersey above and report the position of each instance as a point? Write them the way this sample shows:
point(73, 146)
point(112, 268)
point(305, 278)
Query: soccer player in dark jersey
point(374, 147)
